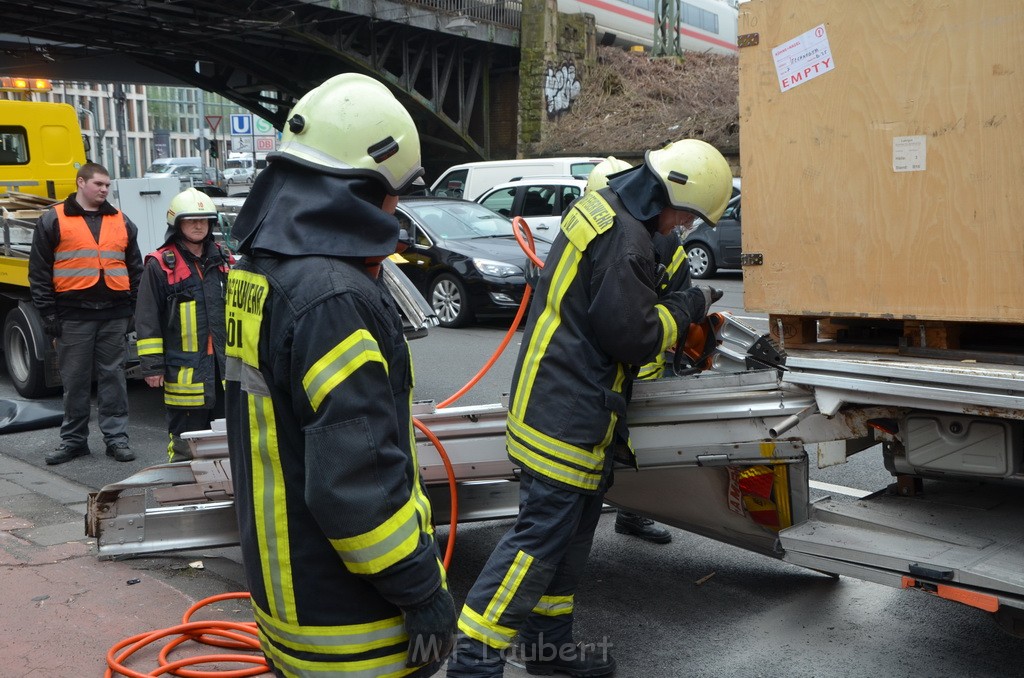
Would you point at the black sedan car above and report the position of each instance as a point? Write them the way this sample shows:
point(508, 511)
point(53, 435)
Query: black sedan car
point(463, 258)
point(711, 248)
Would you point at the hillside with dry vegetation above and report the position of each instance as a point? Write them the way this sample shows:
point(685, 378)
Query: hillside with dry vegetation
point(630, 102)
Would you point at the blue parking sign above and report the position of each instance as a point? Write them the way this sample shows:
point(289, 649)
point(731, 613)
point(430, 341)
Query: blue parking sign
point(241, 123)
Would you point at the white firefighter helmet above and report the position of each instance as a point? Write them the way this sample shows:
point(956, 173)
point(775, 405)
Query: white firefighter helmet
point(696, 177)
point(598, 178)
point(352, 125)
point(190, 204)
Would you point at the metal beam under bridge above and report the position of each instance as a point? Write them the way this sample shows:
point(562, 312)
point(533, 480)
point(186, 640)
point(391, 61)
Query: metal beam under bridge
point(439, 56)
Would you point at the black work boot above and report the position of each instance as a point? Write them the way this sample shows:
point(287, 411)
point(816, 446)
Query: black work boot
point(645, 528)
point(120, 451)
point(65, 452)
point(584, 660)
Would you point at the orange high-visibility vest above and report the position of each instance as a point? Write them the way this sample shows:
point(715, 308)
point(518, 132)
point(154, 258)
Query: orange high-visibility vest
point(79, 259)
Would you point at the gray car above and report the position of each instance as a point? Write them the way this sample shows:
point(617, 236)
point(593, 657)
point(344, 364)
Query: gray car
point(709, 248)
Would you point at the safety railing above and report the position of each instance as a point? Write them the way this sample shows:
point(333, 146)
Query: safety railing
point(504, 13)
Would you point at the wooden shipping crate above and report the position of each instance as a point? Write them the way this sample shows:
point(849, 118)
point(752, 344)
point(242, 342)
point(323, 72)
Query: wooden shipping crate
point(882, 158)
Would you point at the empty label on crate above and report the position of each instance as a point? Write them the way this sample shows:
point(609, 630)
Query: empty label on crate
point(909, 154)
point(803, 58)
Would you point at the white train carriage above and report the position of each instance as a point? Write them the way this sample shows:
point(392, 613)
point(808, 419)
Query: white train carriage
point(705, 25)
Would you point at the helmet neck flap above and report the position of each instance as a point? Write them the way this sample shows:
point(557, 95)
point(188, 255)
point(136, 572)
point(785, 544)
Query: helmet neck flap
point(293, 210)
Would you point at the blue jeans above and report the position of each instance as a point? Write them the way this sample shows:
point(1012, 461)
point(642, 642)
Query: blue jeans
point(85, 346)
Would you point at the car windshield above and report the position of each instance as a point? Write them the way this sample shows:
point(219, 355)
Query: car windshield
point(460, 220)
point(159, 168)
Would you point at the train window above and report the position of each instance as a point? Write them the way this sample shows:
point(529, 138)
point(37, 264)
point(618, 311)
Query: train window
point(701, 18)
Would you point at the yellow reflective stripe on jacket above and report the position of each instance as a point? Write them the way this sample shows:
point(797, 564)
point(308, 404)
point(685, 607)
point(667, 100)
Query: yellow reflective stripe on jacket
point(590, 216)
point(551, 469)
point(388, 666)
point(554, 606)
point(337, 364)
point(270, 508)
point(582, 457)
point(184, 393)
point(549, 320)
point(678, 261)
point(243, 315)
point(342, 639)
point(669, 329)
point(653, 370)
point(152, 346)
point(384, 545)
point(187, 319)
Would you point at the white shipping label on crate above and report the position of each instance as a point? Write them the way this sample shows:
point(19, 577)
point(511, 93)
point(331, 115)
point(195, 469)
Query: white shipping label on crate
point(909, 154)
point(803, 58)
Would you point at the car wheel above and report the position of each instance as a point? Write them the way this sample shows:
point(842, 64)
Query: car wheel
point(449, 300)
point(702, 261)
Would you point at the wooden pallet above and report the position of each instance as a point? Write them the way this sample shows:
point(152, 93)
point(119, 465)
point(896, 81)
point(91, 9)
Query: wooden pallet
point(888, 335)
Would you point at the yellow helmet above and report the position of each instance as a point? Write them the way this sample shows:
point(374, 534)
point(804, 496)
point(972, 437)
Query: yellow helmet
point(598, 178)
point(695, 176)
point(352, 125)
point(190, 204)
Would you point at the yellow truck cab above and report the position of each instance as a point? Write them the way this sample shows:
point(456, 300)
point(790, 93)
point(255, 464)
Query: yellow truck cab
point(41, 145)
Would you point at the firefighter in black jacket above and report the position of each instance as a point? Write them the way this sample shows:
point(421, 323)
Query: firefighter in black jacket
point(597, 319)
point(179, 319)
point(335, 524)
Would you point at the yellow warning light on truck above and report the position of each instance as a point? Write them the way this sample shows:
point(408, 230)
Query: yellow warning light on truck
point(16, 84)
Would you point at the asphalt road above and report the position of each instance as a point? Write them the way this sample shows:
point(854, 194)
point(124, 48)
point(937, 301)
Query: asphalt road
point(694, 607)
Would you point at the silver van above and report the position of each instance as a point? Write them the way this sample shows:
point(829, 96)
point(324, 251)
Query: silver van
point(168, 167)
point(469, 180)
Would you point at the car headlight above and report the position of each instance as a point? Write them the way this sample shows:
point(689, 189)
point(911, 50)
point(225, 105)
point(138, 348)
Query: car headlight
point(496, 269)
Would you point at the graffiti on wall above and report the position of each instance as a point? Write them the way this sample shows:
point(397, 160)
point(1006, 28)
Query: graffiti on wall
point(561, 87)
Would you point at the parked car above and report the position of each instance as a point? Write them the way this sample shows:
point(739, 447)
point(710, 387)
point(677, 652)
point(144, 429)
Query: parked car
point(206, 176)
point(539, 200)
point(463, 258)
point(238, 175)
point(711, 248)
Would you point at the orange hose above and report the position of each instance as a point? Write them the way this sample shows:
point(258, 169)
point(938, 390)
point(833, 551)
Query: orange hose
point(453, 513)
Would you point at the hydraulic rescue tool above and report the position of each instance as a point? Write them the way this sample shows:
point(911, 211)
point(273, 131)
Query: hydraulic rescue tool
point(724, 452)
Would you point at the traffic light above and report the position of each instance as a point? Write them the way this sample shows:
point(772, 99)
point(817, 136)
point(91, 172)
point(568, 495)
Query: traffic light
point(214, 153)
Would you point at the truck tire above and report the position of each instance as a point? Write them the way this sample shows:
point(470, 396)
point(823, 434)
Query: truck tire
point(26, 369)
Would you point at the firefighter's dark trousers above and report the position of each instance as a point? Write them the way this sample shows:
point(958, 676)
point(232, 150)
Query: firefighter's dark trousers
point(529, 582)
point(184, 420)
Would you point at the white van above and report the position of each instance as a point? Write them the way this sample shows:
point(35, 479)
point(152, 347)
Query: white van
point(469, 180)
point(167, 167)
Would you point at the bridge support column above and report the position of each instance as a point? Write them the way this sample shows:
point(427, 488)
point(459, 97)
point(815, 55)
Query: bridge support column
point(556, 52)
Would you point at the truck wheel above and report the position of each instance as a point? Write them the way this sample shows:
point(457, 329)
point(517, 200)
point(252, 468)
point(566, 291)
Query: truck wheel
point(702, 261)
point(27, 370)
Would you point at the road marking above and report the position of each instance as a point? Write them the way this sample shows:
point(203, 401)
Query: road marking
point(839, 489)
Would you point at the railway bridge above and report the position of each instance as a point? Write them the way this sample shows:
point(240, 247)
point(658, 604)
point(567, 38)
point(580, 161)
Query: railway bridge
point(455, 64)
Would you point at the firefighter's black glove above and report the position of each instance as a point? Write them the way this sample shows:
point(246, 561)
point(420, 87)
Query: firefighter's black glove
point(532, 274)
point(711, 295)
point(431, 629)
point(51, 325)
